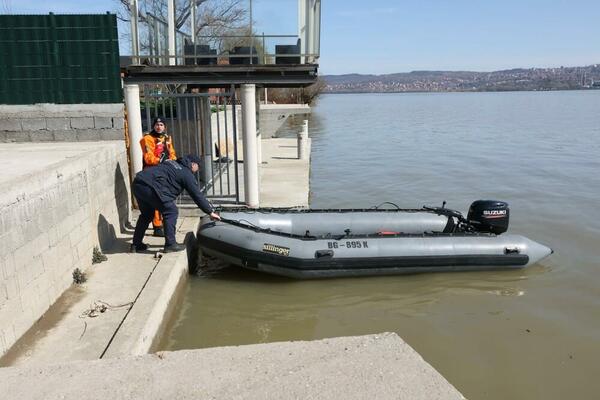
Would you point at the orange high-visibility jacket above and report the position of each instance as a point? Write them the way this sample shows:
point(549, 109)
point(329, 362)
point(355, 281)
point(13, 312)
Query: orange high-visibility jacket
point(154, 146)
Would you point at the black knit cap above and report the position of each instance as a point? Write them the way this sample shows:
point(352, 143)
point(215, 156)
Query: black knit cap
point(159, 119)
point(194, 158)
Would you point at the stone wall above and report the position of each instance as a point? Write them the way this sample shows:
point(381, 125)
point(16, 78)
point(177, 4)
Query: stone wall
point(51, 219)
point(61, 122)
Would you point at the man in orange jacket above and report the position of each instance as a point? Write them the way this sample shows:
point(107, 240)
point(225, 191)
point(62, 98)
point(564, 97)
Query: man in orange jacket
point(157, 147)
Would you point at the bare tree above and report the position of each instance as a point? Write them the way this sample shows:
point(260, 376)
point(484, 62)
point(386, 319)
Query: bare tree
point(213, 16)
point(297, 95)
point(6, 7)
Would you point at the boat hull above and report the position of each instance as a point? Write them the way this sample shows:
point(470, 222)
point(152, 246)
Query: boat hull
point(370, 254)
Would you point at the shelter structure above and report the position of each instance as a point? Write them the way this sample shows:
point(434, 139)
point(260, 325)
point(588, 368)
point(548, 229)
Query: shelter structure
point(193, 66)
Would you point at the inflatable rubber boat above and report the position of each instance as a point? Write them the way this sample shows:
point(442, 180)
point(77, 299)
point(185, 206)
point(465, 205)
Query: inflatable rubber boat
point(311, 243)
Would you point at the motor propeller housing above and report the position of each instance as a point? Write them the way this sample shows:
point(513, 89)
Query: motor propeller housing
point(489, 216)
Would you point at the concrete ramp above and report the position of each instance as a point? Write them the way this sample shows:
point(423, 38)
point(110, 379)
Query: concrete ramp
point(362, 367)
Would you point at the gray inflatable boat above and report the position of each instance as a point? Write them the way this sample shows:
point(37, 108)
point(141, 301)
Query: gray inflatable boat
point(310, 243)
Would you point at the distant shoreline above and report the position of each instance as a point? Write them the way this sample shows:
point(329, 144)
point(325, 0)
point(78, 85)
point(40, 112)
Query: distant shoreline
point(520, 79)
point(463, 91)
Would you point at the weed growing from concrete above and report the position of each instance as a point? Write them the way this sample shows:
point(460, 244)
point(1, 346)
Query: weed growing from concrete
point(97, 256)
point(79, 276)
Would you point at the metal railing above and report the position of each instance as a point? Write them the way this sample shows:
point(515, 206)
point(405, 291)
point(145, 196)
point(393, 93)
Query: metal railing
point(162, 35)
point(204, 124)
point(230, 50)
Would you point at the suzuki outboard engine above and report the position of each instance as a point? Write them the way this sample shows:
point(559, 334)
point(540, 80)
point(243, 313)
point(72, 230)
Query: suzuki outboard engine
point(489, 216)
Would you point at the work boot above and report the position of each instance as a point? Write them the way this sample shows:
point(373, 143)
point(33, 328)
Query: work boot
point(159, 232)
point(173, 248)
point(136, 249)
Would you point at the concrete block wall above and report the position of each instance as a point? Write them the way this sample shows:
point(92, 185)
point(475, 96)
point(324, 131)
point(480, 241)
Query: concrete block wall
point(61, 122)
point(50, 221)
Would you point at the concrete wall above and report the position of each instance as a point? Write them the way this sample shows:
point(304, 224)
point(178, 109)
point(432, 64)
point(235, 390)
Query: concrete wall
point(273, 116)
point(61, 122)
point(51, 218)
point(225, 142)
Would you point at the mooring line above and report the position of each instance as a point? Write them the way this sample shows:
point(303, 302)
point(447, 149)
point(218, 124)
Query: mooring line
point(129, 309)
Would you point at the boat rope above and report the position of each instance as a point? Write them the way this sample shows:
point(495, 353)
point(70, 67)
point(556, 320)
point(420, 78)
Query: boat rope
point(248, 225)
point(294, 210)
point(248, 222)
point(100, 307)
point(386, 202)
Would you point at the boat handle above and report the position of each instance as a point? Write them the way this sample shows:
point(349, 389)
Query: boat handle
point(323, 253)
point(511, 250)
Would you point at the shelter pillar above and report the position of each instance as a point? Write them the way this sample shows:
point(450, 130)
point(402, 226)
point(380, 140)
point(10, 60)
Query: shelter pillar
point(135, 38)
point(134, 125)
point(251, 187)
point(171, 31)
point(192, 22)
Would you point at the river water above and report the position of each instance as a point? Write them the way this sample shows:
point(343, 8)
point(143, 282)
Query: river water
point(533, 333)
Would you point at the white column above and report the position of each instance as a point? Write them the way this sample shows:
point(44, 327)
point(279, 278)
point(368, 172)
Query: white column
point(159, 49)
point(251, 191)
point(317, 29)
point(303, 142)
point(310, 45)
point(171, 30)
point(302, 27)
point(135, 37)
point(307, 30)
point(134, 125)
point(193, 20)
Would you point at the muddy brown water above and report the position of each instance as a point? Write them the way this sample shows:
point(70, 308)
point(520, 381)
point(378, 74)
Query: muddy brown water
point(532, 333)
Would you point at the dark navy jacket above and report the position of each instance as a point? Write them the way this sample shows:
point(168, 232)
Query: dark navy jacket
point(170, 178)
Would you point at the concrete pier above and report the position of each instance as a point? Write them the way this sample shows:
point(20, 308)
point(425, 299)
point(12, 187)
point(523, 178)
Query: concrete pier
point(284, 178)
point(375, 366)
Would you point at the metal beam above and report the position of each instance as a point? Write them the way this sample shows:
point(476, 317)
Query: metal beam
point(209, 82)
point(225, 75)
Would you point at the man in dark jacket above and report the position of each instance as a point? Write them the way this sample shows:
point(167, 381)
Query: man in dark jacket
point(157, 188)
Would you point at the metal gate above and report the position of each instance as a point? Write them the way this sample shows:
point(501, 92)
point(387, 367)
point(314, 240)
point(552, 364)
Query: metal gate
point(204, 124)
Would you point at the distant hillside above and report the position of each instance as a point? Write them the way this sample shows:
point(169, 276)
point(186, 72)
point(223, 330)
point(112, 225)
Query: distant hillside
point(562, 78)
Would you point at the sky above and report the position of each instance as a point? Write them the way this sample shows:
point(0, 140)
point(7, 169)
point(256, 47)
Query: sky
point(387, 36)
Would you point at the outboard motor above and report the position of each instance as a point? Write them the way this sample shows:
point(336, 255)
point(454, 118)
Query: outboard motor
point(489, 216)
